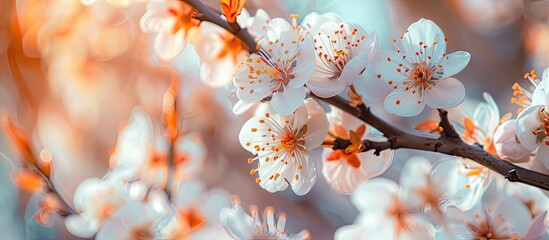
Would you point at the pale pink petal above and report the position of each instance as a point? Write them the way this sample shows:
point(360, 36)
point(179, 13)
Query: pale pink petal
point(505, 142)
point(286, 102)
point(455, 62)
point(317, 125)
point(541, 156)
point(403, 102)
point(386, 64)
point(81, 227)
point(426, 32)
point(529, 120)
point(536, 228)
point(449, 92)
point(167, 45)
point(375, 196)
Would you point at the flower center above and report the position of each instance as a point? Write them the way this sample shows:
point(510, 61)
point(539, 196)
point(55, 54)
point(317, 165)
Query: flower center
point(421, 74)
point(400, 214)
point(289, 142)
point(232, 46)
point(142, 232)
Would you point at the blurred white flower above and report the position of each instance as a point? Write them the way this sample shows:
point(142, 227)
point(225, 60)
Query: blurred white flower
point(198, 210)
point(279, 70)
point(220, 52)
point(286, 147)
point(346, 169)
point(532, 129)
point(470, 181)
point(497, 216)
point(343, 50)
point(96, 201)
point(420, 71)
point(384, 214)
point(257, 25)
point(242, 226)
point(532, 124)
point(312, 22)
point(138, 220)
point(506, 144)
point(170, 21)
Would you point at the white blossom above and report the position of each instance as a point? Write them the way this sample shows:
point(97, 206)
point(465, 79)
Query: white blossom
point(420, 71)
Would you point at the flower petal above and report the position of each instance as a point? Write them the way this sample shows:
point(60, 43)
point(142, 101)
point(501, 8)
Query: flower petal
point(286, 102)
point(528, 120)
point(167, 45)
point(81, 227)
point(449, 92)
point(317, 124)
point(403, 102)
point(375, 196)
point(455, 62)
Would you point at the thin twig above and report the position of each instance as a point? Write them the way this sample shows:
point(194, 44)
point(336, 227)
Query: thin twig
point(205, 13)
point(449, 143)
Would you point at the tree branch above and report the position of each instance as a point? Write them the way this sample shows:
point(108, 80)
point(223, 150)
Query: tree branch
point(205, 13)
point(449, 142)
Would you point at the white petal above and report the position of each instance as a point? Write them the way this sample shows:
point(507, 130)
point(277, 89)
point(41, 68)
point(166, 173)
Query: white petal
point(385, 66)
point(528, 120)
point(317, 124)
point(307, 176)
point(541, 156)
point(304, 63)
point(286, 102)
point(241, 107)
point(167, 46)
point(428, 32)
point(506, 144)
point(237, 223)
point(112, 230)
point(455, 62)
point(354, 68)
point(515, 212)
point(449, 92)
point(276, 27)
point(403, 102)
point(536, 228)
point(80, 226)
point(541, 93)
point(375, 196)
point(153, 19)
point(84, 193)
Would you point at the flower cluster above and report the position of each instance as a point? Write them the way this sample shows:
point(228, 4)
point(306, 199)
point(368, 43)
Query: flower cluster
point(301, 85)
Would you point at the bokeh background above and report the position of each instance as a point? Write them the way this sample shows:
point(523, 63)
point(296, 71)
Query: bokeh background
point(70, 75)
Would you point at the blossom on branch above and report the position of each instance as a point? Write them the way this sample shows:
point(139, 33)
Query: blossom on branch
point(286, 147)
point(170, 21)
point(346, 169)
point(343, 50)
point(420, 71)
point(532, 124)
point(278, 71)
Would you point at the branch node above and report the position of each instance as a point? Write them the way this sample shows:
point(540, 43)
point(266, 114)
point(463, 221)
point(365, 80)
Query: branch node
point(513, 177)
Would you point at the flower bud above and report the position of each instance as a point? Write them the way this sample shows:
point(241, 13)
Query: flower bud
point(507, 144)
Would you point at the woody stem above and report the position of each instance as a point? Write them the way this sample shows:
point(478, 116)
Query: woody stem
point(449, 142)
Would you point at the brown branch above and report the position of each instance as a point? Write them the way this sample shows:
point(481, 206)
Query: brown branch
point(205, 13)
point(449, 142)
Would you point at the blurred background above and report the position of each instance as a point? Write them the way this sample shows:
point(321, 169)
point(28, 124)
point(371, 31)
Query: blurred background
point(71, 74)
